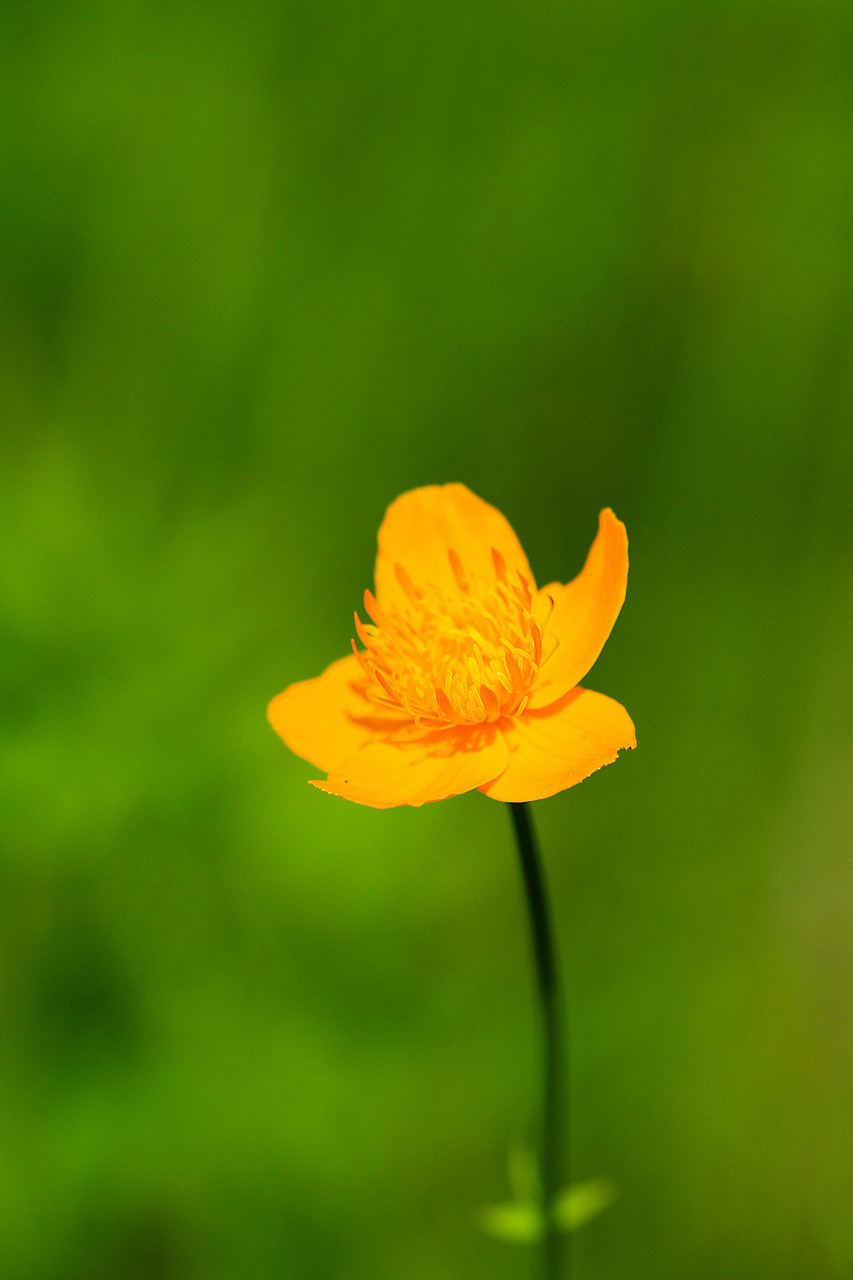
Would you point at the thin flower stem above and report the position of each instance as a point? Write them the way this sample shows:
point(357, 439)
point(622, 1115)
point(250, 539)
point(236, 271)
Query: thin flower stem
point(555, 1108)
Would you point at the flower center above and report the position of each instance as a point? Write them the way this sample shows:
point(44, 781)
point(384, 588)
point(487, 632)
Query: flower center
point(455, 656)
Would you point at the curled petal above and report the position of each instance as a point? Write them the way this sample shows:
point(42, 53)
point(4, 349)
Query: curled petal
point(420, 529)
point(553, 749)
point(416, 771)
point(327, 719)
point(584, 612)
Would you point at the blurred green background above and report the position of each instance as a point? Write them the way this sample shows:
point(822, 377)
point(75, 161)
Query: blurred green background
point(264, 267)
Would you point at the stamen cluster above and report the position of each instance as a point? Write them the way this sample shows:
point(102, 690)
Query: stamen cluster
point(455, 657)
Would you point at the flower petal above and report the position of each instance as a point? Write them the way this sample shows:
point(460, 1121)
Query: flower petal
point(385, 774)
point(553, 749)
point(421, 526)
point(584, 612)
point(327, 719)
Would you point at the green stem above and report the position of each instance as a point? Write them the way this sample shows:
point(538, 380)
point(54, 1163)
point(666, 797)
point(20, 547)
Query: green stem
point(555, 1110)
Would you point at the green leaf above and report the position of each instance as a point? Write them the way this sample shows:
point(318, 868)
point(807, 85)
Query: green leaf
point(521, 1221)
point(523, 1169)
point(576, 1205)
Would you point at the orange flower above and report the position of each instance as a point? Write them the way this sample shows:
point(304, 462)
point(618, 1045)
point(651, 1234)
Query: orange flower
point(469, 673)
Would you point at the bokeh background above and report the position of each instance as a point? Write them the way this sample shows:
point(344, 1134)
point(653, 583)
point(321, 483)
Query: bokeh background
point(264, 267)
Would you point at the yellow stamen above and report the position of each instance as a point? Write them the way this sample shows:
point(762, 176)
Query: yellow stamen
point(458, 571)
point(361, 630)
point(464, 654)
point(406, 583)
point(372, 609)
